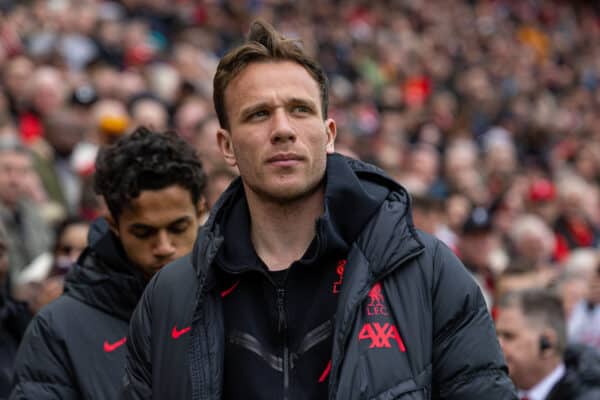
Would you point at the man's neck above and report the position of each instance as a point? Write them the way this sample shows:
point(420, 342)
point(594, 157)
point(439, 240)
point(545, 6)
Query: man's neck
point(544, 386)
point(281, 233)
point(540, 374)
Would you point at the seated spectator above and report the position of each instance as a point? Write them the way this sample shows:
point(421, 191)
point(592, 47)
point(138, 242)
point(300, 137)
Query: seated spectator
point(532, 332)
point(584, 323)
point(148, 110)
point(217, 181)
point(532, 241)
point(477, 245)
point(573, 227)
point(541, 199)
point(573, 283)
point(28, 233)
point(43, 280)
point(14, 318)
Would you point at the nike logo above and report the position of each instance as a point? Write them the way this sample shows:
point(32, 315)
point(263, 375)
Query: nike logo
point(110, 347)
point(228, 291)
point(176, 333)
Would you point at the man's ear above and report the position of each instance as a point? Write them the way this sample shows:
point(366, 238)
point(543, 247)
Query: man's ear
point(112, 224)
point(548, 341)
point(226, 146)
point(331, 131)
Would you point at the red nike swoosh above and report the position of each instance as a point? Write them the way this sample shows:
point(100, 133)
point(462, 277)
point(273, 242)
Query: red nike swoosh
point(228, 291)
point(109, 347)
point(176, 333)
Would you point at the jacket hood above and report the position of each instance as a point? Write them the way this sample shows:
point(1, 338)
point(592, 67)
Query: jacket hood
point(103, 277)
point(354, 192)
point(390, 237)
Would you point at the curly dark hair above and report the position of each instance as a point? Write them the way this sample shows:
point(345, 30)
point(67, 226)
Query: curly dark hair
point(146, 160)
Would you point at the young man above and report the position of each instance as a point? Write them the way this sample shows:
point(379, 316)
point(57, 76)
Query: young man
point(73, 349)
point(309, 280)
point(532, 332)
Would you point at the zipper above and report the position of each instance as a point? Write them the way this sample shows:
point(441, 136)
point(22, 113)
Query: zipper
point(282, 329)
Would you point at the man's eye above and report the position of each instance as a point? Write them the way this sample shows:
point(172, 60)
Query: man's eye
point(301, 109)
point(258, 114)
point(179, 228)
point(142, 234)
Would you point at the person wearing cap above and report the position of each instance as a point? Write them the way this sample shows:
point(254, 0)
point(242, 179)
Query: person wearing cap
point(475, 247)
point(541, 200)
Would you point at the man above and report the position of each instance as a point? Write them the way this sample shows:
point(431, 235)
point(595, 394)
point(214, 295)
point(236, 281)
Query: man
point(28, 233)
point(531, 328)
point(475, 246)
point(14, 317)
point(308, 281)
point(152, 184)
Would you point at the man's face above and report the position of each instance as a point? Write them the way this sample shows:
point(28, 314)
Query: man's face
point(15, 168)
point(520, 342)
point(475, 249)
point(277, 136)
point(158, 227)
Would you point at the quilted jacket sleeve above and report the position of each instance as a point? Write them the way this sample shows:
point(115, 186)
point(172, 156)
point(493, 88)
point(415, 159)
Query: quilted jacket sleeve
point(137, 382)
point(468, 363)
point(42, 367)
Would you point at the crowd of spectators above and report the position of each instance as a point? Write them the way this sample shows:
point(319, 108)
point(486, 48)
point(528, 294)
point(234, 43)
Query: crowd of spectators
point(487, 111)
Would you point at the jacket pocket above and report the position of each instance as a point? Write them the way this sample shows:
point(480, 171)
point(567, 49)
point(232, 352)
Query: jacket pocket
point(407, 390)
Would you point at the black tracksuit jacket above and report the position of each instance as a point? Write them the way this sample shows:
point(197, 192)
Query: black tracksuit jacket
point(14, 317)
point(74, 347)
point(409, 321)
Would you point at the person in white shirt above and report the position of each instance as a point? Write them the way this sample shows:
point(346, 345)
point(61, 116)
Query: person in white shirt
point(532, 332)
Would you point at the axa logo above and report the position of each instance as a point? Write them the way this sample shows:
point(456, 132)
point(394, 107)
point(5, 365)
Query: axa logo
point(381, 335)
point(339, 270)
point(376, 305)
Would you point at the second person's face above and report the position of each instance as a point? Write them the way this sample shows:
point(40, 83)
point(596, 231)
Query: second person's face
point(158, 227)
point(277, 136)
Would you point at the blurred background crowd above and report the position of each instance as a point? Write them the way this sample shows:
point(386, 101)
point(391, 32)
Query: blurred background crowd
point(488, 112)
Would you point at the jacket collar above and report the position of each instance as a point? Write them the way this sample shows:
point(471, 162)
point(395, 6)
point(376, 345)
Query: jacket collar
point(349, 204)
point(354, 193)
point(103, 277)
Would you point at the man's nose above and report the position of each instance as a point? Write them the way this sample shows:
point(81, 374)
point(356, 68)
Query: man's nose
point(164, 247)
point(282, 129)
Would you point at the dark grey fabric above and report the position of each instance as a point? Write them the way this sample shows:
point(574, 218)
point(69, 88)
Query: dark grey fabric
point(422, 290)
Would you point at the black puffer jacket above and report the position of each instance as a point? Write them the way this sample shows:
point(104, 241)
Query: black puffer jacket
point(401, 289)
point(14, 317)
point(582, 377)
point(73, 348)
